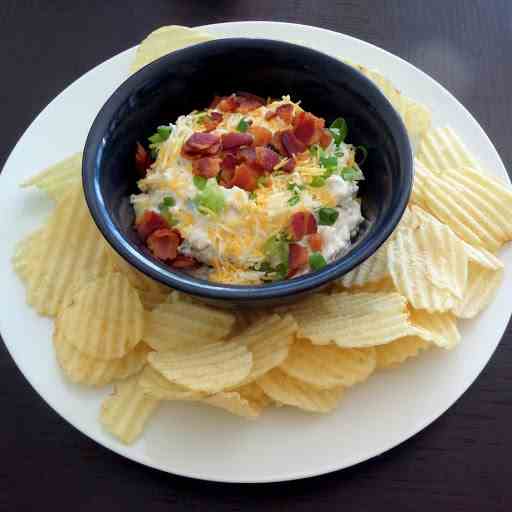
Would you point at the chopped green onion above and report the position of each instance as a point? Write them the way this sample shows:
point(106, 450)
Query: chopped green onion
point(317, 181)
point(339, 130)
point(161, 135)
point(276, 249)
point(317, 261)
point(282, 270)
point(316, 151)
point(252, 195)
point(211, 198)
point(327, 216)
point(364, 151)
point(164, 132)
point(168, 202)
point(329, 162)
point(243, 125)
point(351, 174)
point(295, 199)
point(262, 181)
point(199, 182)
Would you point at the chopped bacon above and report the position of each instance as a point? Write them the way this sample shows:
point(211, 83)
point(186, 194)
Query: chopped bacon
point(261, 135)
point(229, 161)
point(297, 256)
point(308, 128)
point(226, 177)
point(245, 177)
point(149, 222)
point(248, 102)
point(289, 166)
point(211, 121)
point(315, 242)
point(266, 158)
point(142, 160)
point(163, 243)
point(270, 114)
point(302, 223)
point(235, 140)
point(228, 103)
point(208, 167)
point(291, 143)
point(325, 138)
point(182, 261)
point(247, 155)
point(277, 143)
point(285, 112)
point(201, 144)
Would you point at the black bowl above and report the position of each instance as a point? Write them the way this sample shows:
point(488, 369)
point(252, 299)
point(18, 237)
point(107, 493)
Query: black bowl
point(188, 79)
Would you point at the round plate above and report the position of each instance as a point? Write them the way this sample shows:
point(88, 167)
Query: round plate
point(202, 442)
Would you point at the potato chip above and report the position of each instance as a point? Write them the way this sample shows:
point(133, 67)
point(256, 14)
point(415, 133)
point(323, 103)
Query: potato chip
point(383, 286)
point(394, 353)
point(483, 284)
point(328, 366)
point(442, 149)
point(238, 403)
point(156, 385)
point(482, 257)
point(26, 252)
point(499, 188)
point(171, 325)
point(166, 40)
point(355, 320)
point(105, 319)
point(254, 394)
point(374, 269)
point(125, 413)
point(151, 299)
point(71, 255)
point(438, 328)
point(58, 179)
point(83, 369)
point(208, 368)
point(286, 390)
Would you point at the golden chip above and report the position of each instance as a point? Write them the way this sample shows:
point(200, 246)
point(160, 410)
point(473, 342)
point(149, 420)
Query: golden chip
point(237, 403)
point(328, 366)
point(105, 319)
point(59, 178)
point(286, 390)
point(171, 325)
point(26, 253)
point(83, 369)
point(166, 40)
point(482, 258)
point(394, 353)
point(125, 413)
point(374, 269)
point(74, 252)
point(208, 368)
point(151, 299)
point(156, 385)
point(438, 328)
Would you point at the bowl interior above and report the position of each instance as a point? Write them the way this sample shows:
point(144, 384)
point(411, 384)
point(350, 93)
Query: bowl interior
point(187, 80)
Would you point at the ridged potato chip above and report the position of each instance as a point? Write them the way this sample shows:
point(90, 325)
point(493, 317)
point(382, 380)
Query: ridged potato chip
point(156, 385)
point(356, 320)
point(105, 319)
point(247, 401)
point(208, 368)
point(482, 258)
point(151, 299)
point(394, 353)
point(59, 178)
point(70, 255)
point(166, 40)
point(83, 369)
point(269, 342)
point(286, 390)
point(328, 366)
point(483, 283)
point(374, 269)
point(26, 252)
point(173, 325)
point(125, 413)
point(438, 328)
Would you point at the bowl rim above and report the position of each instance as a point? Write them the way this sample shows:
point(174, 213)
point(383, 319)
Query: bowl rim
point(219, 291)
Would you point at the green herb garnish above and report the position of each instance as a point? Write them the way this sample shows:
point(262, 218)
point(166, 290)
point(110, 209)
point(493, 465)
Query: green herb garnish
point(252, 195)
point(199, 182)
point(276, 249)
point(243, 125)
point(351, 174)
point(296, 189)
point(161, 135)
point(317, 261)
point(317, 182)
point(210, 199)
point(327, 216)
point(295, 199)
point(339, 130)
point(330, 164)
point(163, 208)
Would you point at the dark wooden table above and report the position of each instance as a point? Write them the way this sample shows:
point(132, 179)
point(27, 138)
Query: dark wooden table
point(461, 462)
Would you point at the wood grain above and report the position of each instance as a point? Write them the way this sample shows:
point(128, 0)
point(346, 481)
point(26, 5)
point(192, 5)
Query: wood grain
point(461, 462)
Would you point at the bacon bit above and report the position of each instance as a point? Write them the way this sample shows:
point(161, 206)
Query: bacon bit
point(291, 143)
point(302, 223)
point(270, 114)
point(261, 135)
point(208, 167)
point(325, 138)
point(289, 166)
point(163, 243)
point(229, 161)
point(142, 160)
point(285, 112)
point(211, 121)
point(247, 155)
point(201, 144)
point(149, 222)
point(182, 261)
point(235, 140)
point(315, 242)
point(228, 104)
point(310, 222)
point(308, 128)
point(226, 177)
point(245, 177)
point(297, 256)
point(248, 102)
point(266, 158)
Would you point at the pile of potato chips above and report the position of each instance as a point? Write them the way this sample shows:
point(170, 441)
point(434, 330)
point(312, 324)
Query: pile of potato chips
point(115, 325)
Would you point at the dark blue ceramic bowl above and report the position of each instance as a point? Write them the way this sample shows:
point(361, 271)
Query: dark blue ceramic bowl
point(188, 79)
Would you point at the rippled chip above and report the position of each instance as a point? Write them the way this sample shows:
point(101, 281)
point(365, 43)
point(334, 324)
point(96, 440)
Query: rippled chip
point(59, 178)
point(125, 413)
point(26, 252)
point(209, 368)
point(247, 401)
point(156, 385)
point(105, 319)
point(173, 325)
point(151, 299)
point(328, 366)
point(482, 258)
point(83, 369)
point(374, 269)
point(286, 390)
point(74, 253)
point(438, 328)
point(394, 353)
point(166, 40)
point(355, 320)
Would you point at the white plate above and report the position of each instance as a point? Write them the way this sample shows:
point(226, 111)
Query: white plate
point(202, 442)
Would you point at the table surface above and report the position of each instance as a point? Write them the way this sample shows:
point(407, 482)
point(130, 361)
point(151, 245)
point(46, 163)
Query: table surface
point(461, 462)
